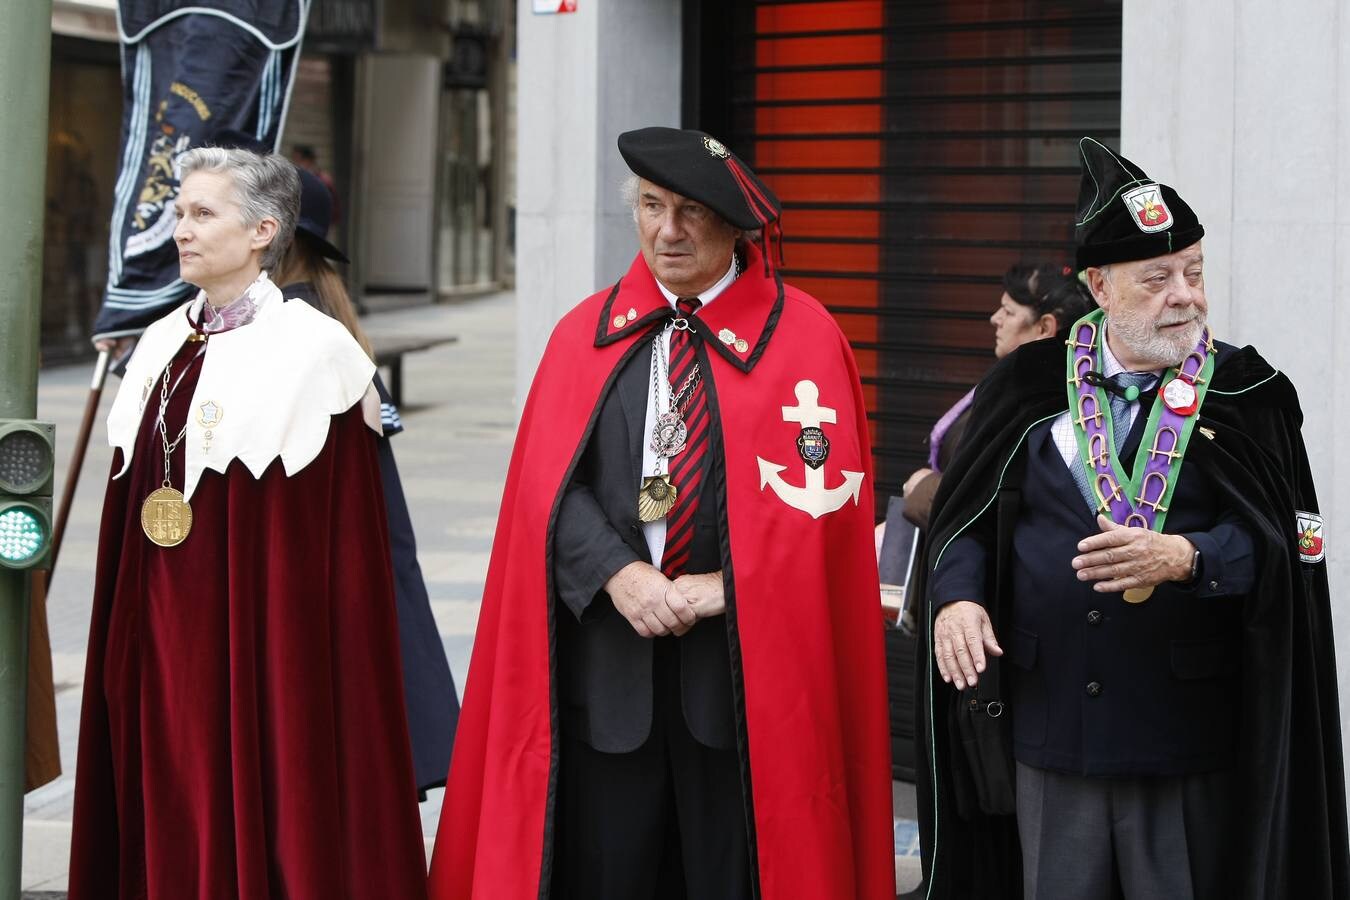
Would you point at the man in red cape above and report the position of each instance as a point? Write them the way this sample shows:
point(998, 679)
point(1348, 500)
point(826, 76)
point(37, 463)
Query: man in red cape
point(243, 732)
point(677, 687)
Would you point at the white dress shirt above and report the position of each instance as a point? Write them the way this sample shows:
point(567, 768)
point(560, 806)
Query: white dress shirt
point(655, 532)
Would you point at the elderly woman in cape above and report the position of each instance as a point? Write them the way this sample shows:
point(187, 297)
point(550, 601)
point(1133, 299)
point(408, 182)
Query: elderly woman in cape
point(243, 731)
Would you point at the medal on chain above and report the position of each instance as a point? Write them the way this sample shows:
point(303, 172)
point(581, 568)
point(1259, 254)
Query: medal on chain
point(656, 496)
point(166, 516)
point(1140, 499)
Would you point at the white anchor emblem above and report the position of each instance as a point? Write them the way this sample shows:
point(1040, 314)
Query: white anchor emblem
point(813, 498)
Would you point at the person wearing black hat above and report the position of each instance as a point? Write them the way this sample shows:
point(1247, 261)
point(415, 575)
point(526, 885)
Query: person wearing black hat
point(677, 685)
point(304, 273)
point(1130, 688)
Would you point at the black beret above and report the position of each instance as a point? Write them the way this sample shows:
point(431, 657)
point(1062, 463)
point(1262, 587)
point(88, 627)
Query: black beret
point(1125, 215)
point(316, 214)
point(700, 167)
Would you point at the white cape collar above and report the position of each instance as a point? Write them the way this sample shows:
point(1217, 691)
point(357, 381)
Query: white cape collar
point(267, 389)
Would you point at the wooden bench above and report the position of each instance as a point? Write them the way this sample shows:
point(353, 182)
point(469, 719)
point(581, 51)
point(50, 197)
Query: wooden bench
point(389, 352)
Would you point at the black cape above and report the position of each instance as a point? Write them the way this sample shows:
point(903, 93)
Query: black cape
point(1289, 839)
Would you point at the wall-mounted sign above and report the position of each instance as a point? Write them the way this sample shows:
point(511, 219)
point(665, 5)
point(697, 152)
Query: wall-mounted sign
point(552, 7)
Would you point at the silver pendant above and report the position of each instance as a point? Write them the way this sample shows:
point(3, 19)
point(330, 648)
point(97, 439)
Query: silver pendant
point(668, 435)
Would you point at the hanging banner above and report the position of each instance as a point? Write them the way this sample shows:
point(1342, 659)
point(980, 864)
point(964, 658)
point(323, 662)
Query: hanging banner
point(191, 69)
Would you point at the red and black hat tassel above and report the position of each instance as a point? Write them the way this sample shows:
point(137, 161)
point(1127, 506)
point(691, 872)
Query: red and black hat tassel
point(771, 230)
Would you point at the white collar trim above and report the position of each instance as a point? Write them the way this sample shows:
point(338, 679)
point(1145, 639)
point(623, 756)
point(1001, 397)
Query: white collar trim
point(267, 389)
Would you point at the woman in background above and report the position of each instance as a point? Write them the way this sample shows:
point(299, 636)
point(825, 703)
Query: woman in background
point(429, 687)
point(1038, 302)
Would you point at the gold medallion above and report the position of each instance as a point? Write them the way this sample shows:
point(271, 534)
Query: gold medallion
point(655, 498)
point(1138, 595)
point(166, 518)
point(742, 345)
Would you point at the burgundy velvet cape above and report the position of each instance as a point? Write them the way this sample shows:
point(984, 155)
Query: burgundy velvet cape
point(243, 730)
point(802, 606)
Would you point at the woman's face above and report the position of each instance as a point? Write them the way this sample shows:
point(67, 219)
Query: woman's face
point(215, 247)
point(1014, 325)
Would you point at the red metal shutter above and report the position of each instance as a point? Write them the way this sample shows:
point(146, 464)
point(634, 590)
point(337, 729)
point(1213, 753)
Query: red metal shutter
point(920, 148)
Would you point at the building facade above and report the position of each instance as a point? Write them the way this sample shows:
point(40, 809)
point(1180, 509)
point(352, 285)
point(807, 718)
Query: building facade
point(401, 101)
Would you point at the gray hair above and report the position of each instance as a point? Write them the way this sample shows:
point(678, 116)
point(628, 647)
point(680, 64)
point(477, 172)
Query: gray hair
point(265, 186)
point(630, 190)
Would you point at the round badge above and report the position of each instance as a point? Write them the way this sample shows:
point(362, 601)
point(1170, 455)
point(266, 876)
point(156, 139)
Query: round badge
point(620, 321)
point(742, 345)
point(1180, 396)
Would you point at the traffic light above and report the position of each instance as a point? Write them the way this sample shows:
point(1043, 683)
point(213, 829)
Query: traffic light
point(27, 457)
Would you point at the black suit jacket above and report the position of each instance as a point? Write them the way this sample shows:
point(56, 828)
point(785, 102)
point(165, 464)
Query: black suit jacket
point(604, 668)
point(1100, 686)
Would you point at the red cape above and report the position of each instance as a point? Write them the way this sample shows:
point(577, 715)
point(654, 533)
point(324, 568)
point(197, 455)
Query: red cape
point(802, 593)
point(243, 733)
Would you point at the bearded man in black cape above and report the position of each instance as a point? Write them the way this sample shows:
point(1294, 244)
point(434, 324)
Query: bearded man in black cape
point(1130, 687)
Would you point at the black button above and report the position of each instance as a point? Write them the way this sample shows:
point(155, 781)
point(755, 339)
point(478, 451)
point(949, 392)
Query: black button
point(1095, 617)
point(1094, 689)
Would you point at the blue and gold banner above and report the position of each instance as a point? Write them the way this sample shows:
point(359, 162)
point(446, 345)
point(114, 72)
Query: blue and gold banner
point(191, 69)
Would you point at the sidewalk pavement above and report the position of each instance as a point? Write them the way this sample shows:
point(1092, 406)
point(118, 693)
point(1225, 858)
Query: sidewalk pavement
point(459, 412)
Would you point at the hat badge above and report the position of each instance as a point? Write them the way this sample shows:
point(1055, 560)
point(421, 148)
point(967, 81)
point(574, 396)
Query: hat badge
point(1147, 208)
point(716, 148)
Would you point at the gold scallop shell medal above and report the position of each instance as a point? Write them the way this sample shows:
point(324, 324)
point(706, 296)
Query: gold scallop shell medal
point(655, 498)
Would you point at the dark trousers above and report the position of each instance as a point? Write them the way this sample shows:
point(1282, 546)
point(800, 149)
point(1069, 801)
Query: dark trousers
point(665, 822)
point(1139, 838)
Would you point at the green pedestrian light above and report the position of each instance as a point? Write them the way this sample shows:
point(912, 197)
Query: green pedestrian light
point(25, 534)
point(27, 455)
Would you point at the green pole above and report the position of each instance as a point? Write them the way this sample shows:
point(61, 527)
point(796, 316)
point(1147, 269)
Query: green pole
point(25, 70)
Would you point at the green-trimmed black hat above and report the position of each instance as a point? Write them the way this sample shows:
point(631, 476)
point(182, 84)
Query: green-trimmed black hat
point(700, 167)
point(1125, 215)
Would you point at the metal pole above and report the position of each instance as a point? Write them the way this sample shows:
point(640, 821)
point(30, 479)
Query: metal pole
point(25, 70)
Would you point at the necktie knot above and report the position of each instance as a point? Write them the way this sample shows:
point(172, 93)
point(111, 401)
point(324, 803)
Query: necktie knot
point(1121, 402)
point(1139, 380)
point(688, 305)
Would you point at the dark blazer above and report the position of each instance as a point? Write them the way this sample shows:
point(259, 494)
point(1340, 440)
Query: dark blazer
point(1100, 686)
point(604, 678)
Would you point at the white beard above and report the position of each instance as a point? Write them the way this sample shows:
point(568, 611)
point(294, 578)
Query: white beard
point(1148, 344)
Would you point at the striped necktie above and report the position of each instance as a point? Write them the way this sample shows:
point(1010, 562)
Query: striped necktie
point(688, 467)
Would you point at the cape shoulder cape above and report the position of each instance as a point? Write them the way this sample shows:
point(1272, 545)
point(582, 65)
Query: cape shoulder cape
point(1289, 839)
point(802, 604)
point(267, 389)
point(242, 731)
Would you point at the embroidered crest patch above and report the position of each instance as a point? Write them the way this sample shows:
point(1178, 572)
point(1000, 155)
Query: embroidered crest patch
point(1311, 546)
point(209, 414)
point(1146, 205)
point(813, 447)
